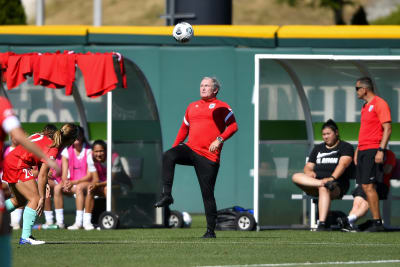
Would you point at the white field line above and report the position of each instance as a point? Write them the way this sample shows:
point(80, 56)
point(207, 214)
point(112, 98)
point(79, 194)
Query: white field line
point(309, 263)
point(222, 242)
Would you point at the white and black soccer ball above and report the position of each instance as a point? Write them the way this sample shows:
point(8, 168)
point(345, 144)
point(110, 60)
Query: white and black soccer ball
point(182, 32)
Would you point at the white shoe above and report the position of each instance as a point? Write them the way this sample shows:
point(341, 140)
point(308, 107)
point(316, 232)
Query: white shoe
point(16, 226)
point(88, 226)
point(60, 225)
point(74, 227)
point(30, 241)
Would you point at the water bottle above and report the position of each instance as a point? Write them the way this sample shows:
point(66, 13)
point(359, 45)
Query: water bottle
point(44, 226)
point(49, 226)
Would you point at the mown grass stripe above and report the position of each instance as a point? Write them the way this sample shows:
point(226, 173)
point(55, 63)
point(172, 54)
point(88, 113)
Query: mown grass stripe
point(309, 263)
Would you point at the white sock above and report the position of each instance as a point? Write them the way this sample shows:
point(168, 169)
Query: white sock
point(79, 217)
point(16, 216)
point(352, 218)
point(59, 216)
point(87, 218)
point(48, 215)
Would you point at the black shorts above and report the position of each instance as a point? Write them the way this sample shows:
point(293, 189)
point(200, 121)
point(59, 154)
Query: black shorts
point(381, 189)
point(368, 171)
point(343, 186)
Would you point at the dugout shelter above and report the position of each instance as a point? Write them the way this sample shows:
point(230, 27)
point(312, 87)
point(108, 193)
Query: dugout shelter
point(294, 95)
point(123, 113)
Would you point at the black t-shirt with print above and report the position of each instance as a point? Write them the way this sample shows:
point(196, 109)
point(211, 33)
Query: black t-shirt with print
point(326, 160)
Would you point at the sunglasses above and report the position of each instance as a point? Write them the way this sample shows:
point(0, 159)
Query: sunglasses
point(359, 87)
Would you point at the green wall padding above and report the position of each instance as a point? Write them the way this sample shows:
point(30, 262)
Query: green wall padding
point(97, 130)
point(349, 131)
point(283, 130)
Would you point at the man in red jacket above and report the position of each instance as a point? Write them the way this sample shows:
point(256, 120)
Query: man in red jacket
point(374, 135)
point(207, 123)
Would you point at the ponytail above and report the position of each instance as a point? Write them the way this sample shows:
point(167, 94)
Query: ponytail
point(65, 136)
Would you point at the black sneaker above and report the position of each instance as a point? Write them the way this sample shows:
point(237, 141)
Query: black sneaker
point(165, 201)
point(344, 224)
point(322, 227)
point(209, 234)
point(376, 226)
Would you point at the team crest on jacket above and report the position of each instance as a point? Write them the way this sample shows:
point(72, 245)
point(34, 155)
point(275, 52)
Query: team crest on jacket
point(371, 108)
point(211, 106)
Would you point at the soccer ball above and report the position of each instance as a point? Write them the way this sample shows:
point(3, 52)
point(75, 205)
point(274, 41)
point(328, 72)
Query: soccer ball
point(182, 32)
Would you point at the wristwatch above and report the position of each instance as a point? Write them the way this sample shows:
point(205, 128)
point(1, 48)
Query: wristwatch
point(381, 149)
point(219, 138)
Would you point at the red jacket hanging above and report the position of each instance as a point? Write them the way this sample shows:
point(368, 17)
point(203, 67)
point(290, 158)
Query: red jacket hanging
point(55, 71)
point(19, 68)
point(98, 73)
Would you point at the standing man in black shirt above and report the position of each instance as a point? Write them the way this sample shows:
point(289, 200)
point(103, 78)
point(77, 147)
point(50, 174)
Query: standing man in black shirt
point(327, 171)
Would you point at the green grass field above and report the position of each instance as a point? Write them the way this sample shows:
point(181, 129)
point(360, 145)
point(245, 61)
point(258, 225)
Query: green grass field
point(184, 247)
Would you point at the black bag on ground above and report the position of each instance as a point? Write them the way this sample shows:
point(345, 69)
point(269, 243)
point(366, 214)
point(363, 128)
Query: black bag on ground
point(235, 218)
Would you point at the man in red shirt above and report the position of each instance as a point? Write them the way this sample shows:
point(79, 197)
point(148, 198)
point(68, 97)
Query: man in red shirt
point(375, 130)
point(207, 123)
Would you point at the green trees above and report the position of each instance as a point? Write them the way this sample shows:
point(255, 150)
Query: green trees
point(12, 12)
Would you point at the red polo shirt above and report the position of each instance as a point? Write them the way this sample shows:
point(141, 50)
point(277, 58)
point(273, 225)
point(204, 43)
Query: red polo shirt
point(373, 115)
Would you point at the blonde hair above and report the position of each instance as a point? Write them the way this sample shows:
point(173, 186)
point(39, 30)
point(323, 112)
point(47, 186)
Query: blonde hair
point(65, 136)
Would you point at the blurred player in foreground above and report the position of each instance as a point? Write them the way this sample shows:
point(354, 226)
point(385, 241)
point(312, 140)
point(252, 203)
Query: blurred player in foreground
point(11, 125)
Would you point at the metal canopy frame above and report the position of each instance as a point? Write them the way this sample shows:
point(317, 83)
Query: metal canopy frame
point(84, 124)
point(283, 61)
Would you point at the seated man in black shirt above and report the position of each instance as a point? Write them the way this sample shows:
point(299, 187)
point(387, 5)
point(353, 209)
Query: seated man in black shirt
point(327, 171)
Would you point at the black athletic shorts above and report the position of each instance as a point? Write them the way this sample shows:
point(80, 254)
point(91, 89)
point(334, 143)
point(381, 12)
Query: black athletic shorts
point(368, 171)
point(343, 186)
point(381, 189)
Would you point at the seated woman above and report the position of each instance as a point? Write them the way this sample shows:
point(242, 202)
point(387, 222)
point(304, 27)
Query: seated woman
point(77, 166)
point(99, 185)
point(327, 172)
point(360, 203)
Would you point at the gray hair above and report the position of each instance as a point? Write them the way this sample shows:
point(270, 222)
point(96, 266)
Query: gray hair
point(216, 84)
point(366, 82)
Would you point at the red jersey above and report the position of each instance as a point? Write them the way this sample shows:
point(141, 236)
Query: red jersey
point(373, 115)
point(204, 121)
point(20, 159)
